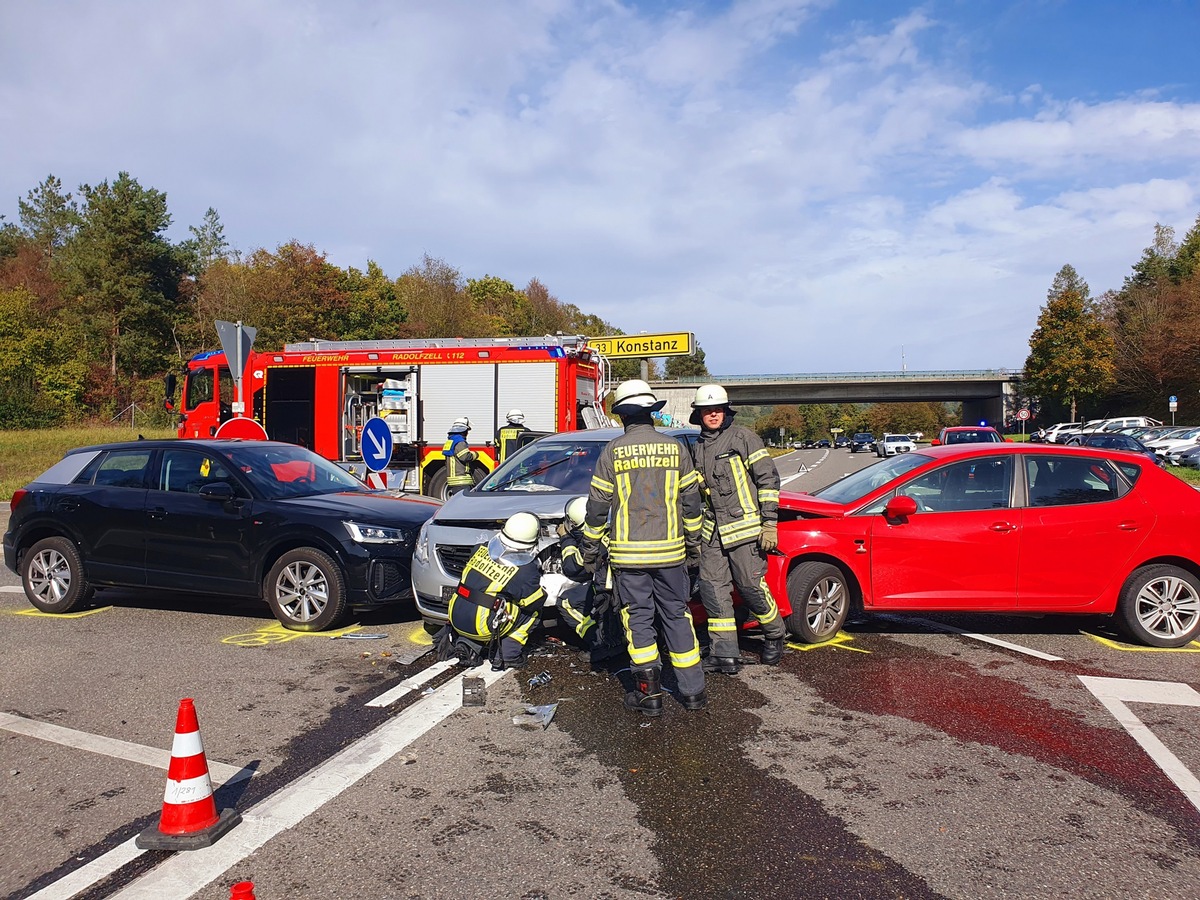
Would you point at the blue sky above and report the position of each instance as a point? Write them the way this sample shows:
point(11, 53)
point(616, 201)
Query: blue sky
point(809, 185)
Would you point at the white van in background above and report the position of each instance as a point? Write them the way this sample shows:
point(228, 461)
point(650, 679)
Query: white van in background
point(1111, 425)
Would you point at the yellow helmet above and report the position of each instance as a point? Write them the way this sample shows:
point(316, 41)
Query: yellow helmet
point(635, 395)
point(709, 396)
point(520, 531)
point(576, 510)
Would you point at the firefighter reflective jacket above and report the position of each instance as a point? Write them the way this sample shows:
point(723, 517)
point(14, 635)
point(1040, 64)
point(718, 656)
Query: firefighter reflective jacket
point(646, 483)
point(506, 440)
point(739, 482)
point(459, 457)
point(485, 580)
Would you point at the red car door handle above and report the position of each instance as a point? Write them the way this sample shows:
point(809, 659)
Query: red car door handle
point(1128, 526)
point(1002, 527)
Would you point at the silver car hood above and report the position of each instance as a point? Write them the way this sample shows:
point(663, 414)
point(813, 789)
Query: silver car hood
point(477, 510)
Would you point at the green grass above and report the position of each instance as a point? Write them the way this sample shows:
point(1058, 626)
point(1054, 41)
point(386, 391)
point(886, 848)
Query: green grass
point(26, 454)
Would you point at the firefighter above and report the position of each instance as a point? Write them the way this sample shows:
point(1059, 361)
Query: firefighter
point(586, 603)
point(499, 596)
point(509, 433)
point(740, 486)
point(645, 484)
point(459, 457)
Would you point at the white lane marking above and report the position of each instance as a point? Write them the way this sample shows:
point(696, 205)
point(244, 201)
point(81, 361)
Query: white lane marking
point(803, 470)
point(1114, 693)
point(85, 876)
point(94, 743)
point(985, 638)
point(11, 589)
point(184, 874)
point(408, 685)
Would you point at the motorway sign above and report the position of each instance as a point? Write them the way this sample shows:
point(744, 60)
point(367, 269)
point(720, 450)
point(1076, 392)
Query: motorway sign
point(376, 444)
point(640, 346)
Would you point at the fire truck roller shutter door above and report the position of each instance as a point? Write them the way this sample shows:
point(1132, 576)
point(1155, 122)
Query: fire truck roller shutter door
point(450, 391)
point(532, 388)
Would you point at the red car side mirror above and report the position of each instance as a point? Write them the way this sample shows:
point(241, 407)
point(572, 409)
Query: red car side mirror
point(900, 507)
point(935, 443)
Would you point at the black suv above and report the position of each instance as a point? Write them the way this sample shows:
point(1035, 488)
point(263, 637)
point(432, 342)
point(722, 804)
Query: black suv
point(242, 518)
point(864, 440)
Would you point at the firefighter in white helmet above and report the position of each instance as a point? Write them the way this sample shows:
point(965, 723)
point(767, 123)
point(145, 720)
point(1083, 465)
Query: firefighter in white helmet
point(740, 486)
point(646, 486)
point(585, 605)
point(509, 433)
point(459, 456)
point(499, 596)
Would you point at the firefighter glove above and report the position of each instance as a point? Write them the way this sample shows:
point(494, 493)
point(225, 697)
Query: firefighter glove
point(769, 539)
point(564, 529)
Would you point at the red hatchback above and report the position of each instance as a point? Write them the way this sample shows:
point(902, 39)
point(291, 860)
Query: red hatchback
point(999, 528)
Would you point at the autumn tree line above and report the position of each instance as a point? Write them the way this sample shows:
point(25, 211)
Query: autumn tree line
point(97, 304)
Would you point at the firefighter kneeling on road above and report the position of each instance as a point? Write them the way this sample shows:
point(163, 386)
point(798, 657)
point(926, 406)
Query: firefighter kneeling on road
point(499, 597)
point(586, 605)
point(646, 486)
point(740, 486)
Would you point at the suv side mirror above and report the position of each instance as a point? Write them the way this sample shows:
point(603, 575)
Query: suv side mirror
point(217, 491)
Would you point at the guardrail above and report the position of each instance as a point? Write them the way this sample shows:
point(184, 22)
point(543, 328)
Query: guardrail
point(817, 378)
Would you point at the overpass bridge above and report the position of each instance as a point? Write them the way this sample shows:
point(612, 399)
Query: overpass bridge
point(986, 394)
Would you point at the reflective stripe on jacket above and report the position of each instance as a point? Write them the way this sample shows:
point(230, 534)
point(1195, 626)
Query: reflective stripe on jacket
point(646, 483)
point(739, 482)
point(458, 460)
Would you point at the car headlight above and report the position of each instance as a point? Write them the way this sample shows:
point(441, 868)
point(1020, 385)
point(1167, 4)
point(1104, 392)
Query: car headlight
point(376, 534)
point(421, 552)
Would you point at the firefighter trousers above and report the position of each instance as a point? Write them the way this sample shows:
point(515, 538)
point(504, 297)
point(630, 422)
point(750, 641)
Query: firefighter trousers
point(662, 594)
point(471, 621)
point(743, 567)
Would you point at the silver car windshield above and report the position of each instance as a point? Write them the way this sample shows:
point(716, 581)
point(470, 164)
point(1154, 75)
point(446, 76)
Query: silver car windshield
point(858, 484)
point(547, 465)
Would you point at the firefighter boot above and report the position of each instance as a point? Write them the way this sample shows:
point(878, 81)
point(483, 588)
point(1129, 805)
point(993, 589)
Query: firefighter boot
point(646, 697)
point(725, 665)
point(772, 651)
point(693, 702)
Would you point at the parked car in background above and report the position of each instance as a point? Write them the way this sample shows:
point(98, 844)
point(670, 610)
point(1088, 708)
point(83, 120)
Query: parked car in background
point(539, 478)
point(863, 440)
point(1176, 440)
point(1051, 435)
point(891, 444)
point(1111, 425)
point(999, 528)
point(242, 518)
point(1188, 458)
point(968, 434)
point(1123, 442)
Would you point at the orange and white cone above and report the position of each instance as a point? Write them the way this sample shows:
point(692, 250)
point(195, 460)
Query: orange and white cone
point(189, 817)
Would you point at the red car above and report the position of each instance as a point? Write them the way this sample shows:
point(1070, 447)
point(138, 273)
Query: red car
point(968, 434)
point(997, 528)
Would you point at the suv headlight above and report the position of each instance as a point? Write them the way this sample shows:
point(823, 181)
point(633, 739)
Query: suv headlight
point(421, 551)
point(376, 534)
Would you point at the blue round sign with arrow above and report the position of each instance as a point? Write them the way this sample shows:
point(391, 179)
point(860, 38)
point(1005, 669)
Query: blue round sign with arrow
point(376, 444)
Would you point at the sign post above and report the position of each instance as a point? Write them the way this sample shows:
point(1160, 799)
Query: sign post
point(1172, 406)
point(1023, 415)
point(376, 444)
point(237, 340)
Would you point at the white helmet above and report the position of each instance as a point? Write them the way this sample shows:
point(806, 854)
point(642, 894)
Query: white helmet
point(520, 531)
point(575, 511)
point(709, 396)
point(460, 426)
point(516, 417)
point(634, 395)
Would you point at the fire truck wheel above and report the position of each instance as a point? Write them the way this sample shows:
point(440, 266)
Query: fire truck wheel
point(437, 485)
point(306, 590)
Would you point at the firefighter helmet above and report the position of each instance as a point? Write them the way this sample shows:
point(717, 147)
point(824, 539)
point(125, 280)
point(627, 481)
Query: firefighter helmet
point(635, 395)
point(520, 531)
point(575, 510)
point(516, 417)
point(709, 397)
point(460, 425)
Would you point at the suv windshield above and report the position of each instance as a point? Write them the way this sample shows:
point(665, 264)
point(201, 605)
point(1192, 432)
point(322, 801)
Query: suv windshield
point(547, 465)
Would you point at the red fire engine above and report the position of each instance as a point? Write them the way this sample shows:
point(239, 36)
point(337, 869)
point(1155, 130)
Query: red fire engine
point(320, 394)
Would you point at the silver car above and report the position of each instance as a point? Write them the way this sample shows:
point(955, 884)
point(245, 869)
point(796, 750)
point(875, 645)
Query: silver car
point(540, 478)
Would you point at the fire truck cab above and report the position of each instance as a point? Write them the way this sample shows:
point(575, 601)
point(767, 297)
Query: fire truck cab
point(320, 394)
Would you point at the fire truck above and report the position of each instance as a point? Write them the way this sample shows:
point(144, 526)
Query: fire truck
point(320, 394)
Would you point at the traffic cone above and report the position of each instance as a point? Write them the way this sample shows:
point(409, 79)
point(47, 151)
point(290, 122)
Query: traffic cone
point(243, 890)
point(189, 817)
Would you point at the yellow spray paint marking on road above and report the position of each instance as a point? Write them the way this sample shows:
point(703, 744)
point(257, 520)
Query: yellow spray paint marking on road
point(1193, 647)
point(418, 635)
point(277, 634)
point(839, 641)
point(68, 615)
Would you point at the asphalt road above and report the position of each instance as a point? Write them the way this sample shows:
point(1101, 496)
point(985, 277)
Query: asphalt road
point(912, 757)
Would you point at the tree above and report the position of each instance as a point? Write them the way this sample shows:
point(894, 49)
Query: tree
point(685, 367)
point(124, 276)
point(1070, 352)
point(208, 242)
point(48, 216)
point(781, 424)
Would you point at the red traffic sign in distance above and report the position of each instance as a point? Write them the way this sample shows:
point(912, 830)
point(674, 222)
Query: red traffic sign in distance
point(1022, 414)
point(242, 427)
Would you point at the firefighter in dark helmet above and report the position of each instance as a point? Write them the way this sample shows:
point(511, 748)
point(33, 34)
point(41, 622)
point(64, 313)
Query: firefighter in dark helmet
point(499, 597)
point(740, 485)
point(459, 456)
point(646, 486)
